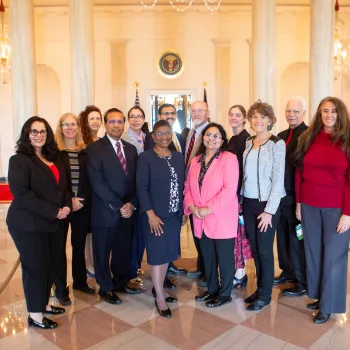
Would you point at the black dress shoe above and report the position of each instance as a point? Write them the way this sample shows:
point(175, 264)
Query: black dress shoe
point(86, 289)
point(173, 270)
point(163, 313)
point(202, 282)
point(205, 297)
point(168, 284)
point(240, 282)
point(314, 306)
point(295, 291)
point(321, 317)
point(218, 302)
point(256, 305)
point(44, 324)
point(64, 300)
point(251, 298)
point(55, 310)
point(112, 298)
point(282, 279)
point(167, 299)
point(194, 274)
point(128, 290)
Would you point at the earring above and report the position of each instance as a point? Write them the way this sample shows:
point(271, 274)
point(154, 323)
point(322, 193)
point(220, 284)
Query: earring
point(269, 127)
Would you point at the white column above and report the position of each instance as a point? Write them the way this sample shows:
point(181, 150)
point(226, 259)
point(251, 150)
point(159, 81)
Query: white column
point(24, 95)
point(82, 54)
point(263, 51)
point(321, 51)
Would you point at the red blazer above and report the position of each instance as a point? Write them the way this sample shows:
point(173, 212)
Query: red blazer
point(219, 193)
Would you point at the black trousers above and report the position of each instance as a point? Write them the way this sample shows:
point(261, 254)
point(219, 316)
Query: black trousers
point(326, 254)
point(200, 262)
point(218, 253)
point(291, 252)
point(39, 256)
point(80, 227)
point(118, 241)
point(262, 246)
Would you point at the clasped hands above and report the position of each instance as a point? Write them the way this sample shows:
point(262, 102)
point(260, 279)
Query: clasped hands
point(126, 210)
point(63, 213)
point(199, 213)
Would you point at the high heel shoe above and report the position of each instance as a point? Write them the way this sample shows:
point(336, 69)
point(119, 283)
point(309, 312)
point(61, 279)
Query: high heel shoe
point(240, 282)
point(163, 313)
point(44, 324)
point(167, 299)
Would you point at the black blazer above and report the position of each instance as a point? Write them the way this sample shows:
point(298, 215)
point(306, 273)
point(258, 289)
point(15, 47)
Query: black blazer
point(37, 196)
point(111, 187)
point(153, 182)
point(289, 174)
point(149, 143)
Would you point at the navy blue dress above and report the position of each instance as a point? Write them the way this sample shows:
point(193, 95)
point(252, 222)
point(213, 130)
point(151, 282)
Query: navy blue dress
point(160, 182)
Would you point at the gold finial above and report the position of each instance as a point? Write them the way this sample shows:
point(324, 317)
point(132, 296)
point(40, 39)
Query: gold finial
point(137, 84)
point(204, 83)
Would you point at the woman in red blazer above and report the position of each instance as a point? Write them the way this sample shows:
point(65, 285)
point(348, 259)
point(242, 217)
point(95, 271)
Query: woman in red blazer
point(210, 196)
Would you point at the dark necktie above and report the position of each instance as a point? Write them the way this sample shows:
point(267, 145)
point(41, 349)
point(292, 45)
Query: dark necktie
point(289, 137)
point(190, 147)
point(120, 156)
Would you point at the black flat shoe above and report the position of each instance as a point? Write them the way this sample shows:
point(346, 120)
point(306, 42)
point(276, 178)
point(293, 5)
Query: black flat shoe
point(168, 284)
point(205, 297)
point(163, 313)
point(194, 274)
point(202, 282)
point(218, 302)
point(282, 279)
point(44, 324)
point(240, 282)
point(167, 299)
point(256, 305)
point(64, 301)
point(86, 289)
point(112, 298)
point(128, 290)
point(173, 270)
point(314, 306)
point(321, 317)
point(295, 291)
point(55, 310)
point(251, 298)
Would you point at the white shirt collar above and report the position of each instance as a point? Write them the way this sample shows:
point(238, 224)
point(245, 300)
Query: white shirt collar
point(113, 142)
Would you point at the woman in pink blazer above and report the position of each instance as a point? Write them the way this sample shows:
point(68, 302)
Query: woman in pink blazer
point(210, 196)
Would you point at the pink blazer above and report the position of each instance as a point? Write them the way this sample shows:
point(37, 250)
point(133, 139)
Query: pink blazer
point(219, 193)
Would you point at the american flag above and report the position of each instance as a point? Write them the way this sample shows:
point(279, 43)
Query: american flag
point(137, 100)
point(205, 95)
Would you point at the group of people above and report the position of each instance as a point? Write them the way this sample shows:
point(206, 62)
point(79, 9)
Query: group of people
point(133, 190)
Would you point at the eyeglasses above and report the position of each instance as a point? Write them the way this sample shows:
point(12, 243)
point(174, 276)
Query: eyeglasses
point(295, 112)
point(168, 113)
point(114, 121)
point(216, 137)
point(235, 115)
point(35, 132)
point(67, 125)
point(136, 117)
point(167, 134)
point(199, 111)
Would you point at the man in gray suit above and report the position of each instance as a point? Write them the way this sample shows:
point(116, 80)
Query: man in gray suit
point(199, 117)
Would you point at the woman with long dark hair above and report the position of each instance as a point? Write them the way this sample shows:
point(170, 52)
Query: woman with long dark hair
point(211, 197)
point(323, 205)
point(38, 182)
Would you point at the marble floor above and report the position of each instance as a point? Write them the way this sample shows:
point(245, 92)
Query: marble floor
point(91, 323)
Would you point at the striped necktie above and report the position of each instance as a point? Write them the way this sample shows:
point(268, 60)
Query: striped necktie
point(190, 147)
point(120, 156)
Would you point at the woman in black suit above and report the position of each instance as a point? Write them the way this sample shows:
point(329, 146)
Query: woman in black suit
point(38, 182)
point(160, 181)
point(70, 142)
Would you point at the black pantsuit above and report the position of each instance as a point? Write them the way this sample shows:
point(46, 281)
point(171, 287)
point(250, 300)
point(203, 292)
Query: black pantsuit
point(262, 246)
point(218, 252)
point(200, 262)
point(291, 254)
point(326, 257)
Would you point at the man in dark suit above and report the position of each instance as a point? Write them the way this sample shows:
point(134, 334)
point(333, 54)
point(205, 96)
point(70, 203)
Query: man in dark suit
point(112, 173)
point(290, 249)
point(168, 112)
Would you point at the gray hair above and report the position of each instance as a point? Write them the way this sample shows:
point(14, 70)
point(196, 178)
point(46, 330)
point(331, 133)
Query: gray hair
point(300, 99)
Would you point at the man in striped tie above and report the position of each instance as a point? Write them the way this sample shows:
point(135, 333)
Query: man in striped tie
point(112, 174)
point(199, 116)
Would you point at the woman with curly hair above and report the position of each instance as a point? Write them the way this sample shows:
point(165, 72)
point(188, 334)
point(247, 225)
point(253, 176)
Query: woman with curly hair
point(42, 199)
point(322, 186)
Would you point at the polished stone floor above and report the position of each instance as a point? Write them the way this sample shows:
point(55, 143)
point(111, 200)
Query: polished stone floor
point(91, 323)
